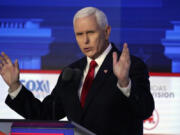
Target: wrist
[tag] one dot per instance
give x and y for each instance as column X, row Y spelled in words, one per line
column 123, row 83
column 14, row 86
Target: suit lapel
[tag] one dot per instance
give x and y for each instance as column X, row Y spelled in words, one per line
column 103, row 73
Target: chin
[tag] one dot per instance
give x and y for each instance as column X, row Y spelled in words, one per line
column 90, row 56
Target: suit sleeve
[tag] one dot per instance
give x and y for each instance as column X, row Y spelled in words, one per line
column 30, row 107
column 141, row 100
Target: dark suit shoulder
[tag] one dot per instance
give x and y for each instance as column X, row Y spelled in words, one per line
column 136, row 59
column 138, row 69
column 81, row 63
column 137, row 62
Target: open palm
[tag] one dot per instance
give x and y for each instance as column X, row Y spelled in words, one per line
column 9, row 71
column 121, row 66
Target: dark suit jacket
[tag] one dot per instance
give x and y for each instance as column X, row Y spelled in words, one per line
column 107, row 111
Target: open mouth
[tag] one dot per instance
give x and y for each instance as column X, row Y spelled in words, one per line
column 87, row 49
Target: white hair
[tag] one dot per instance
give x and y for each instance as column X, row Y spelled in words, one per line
column 88, row 11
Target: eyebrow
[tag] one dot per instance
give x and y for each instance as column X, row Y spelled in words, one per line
column 90, row 31
column 79, row 33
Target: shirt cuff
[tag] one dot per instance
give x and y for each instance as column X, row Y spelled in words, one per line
column 125, row 90
column 14, row 94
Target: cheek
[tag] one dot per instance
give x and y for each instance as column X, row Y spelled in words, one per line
column 79, row 42
column 97, row 41
column 100, row 43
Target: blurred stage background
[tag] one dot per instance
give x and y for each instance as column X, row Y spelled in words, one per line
column 40, row 35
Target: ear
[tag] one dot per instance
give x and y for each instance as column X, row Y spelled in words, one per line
column 107, row 32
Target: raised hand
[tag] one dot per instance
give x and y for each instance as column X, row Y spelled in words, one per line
column 9, row 71
column 121, row 66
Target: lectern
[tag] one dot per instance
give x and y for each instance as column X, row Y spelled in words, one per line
column 27, row 127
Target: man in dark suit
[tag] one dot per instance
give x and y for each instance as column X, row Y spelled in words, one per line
column 112, row 96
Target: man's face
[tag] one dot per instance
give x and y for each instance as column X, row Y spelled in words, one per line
column 91, row 38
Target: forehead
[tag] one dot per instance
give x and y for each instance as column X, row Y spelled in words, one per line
column 85, row 23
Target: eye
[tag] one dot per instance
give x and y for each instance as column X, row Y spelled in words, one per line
column 79, row 34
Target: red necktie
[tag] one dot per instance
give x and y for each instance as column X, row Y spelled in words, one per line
column 88, row 82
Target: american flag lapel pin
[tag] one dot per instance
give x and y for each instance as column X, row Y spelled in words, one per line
column 105, row 71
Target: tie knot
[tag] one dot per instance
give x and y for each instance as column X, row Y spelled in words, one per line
column 93, row 64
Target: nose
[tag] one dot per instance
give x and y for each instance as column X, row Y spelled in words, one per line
column 86, row 39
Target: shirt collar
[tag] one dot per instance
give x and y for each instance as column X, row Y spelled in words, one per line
column 99, row 60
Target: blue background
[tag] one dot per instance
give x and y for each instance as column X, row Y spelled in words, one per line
column 44, row 38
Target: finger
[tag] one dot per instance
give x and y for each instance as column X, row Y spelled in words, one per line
column 125, row 51
column 16, row 64
column 125, row 47
column 114, row 58
column 1, row 66
column 127, row 55
column 7, row 59
column 3, row 61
